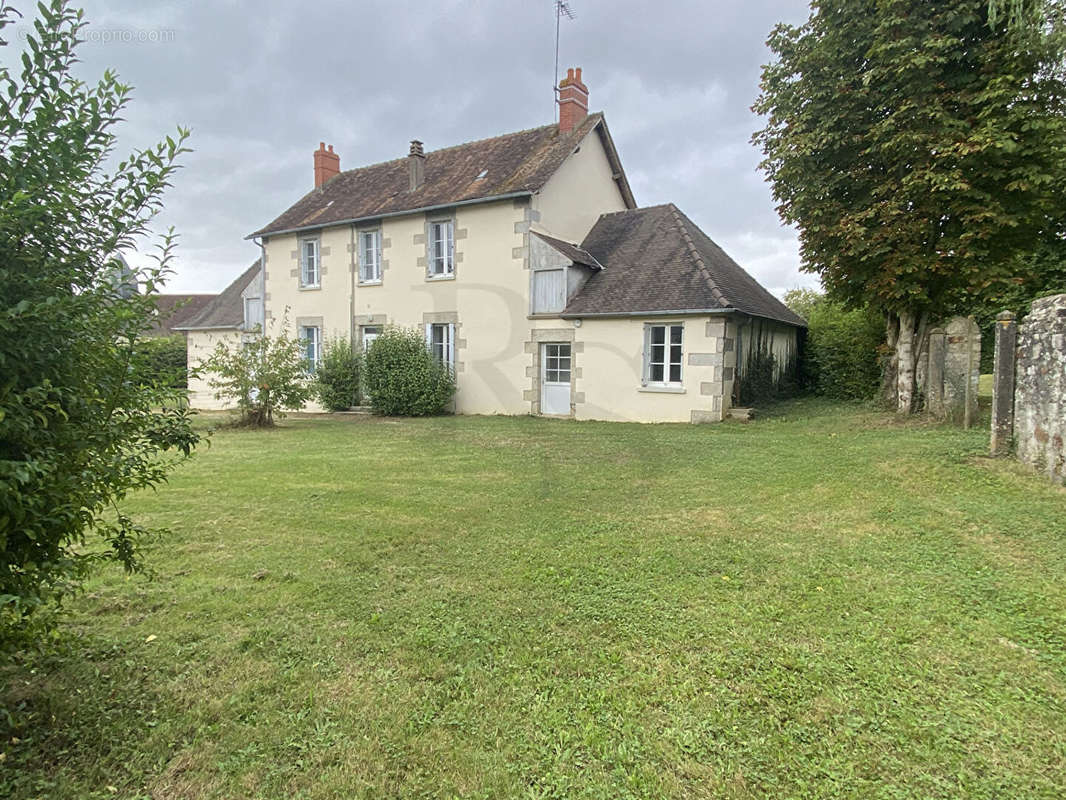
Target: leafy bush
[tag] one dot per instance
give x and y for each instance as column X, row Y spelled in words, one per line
column 758, row 385
column 163, row 359
column 337, row 377
column 843, row 352
column 403, row 378
column 77, row 434
column 264, row 376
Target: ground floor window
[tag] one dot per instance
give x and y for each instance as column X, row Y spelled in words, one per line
column 311, row 337
column 440, row 338
column 663, row 346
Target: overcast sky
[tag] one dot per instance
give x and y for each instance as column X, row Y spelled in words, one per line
column 261, row 83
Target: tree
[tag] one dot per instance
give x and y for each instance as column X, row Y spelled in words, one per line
column 81, row 424
column 842, row 356
column 263, row 376
column 403, row 378
column 918, row 148
column 338, row 375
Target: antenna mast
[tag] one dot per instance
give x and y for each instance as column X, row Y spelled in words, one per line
column 562, row 9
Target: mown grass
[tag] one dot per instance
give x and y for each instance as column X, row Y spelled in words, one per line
column 819, row 604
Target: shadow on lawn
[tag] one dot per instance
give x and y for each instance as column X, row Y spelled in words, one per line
column 85, row 707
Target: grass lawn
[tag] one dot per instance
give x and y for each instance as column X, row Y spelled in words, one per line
column 818, row 604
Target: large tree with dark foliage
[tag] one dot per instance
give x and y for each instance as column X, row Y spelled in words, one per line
column 918, row 148
column 81, row 424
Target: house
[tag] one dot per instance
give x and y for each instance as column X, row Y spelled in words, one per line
column 229, row 317
column 533, row 273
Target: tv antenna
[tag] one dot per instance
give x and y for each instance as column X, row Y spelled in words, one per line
column 562, row 9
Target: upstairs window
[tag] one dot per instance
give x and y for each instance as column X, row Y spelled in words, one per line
column 370, row 256
column 440, row 339
column 441, row 248
column 663, row 346
column 311, row 337
column 309, row 266
column 253, row 313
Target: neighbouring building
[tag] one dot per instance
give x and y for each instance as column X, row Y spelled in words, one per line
column 525, row 260
column 173, row 310
column 230, row 317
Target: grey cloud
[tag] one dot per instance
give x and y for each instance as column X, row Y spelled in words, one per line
column 261, row 83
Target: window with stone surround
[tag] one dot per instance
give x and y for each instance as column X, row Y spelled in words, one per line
column 311, row 338
column 370, row 256
column 309, row 263
column 441, row 245
column 663, row 353
column 440, row 339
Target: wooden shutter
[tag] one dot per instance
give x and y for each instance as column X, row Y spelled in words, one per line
column 549, row 291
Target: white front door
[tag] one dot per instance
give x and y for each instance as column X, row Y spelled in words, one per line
column 555, row 378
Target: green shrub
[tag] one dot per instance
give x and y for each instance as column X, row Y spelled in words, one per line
column 163, row 360
column 843, row 353
column 403, row 378
column 338, row 375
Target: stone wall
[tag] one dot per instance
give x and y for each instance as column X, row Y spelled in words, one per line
column 1040, row 387
column 952, row 357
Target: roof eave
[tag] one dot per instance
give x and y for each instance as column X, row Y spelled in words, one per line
column 388, row 214
column 235, row 327
column 651, row 313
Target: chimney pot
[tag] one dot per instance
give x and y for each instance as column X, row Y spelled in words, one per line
column 573, row 100
column 327, row 164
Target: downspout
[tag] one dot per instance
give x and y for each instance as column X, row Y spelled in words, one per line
column 262, row 282
column 351, row 293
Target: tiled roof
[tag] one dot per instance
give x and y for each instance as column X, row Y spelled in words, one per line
column 227, row 309
column 572, row 251
column 513, row 164
column 657, row 260
column 172, row 310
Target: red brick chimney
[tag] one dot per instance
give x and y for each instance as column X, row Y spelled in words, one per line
column 573, row 100
column 327, row 164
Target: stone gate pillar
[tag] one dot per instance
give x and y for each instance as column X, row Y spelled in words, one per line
column 1003, row 384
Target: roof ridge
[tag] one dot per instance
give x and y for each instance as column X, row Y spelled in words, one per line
column 679, row 219
column 401, row 159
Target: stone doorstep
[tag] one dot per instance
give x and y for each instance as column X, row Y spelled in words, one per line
column 742, row 414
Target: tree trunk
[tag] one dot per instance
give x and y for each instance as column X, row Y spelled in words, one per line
column 907, row 345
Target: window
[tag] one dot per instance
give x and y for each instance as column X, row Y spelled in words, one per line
column 557, row 363
column 549, row 291
column 370, row 333
column 309, row 267
column 370, row 257
column 662, row 354
column 440, row 338
column 441, row 248
column 312, row 342
column 253, row 313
